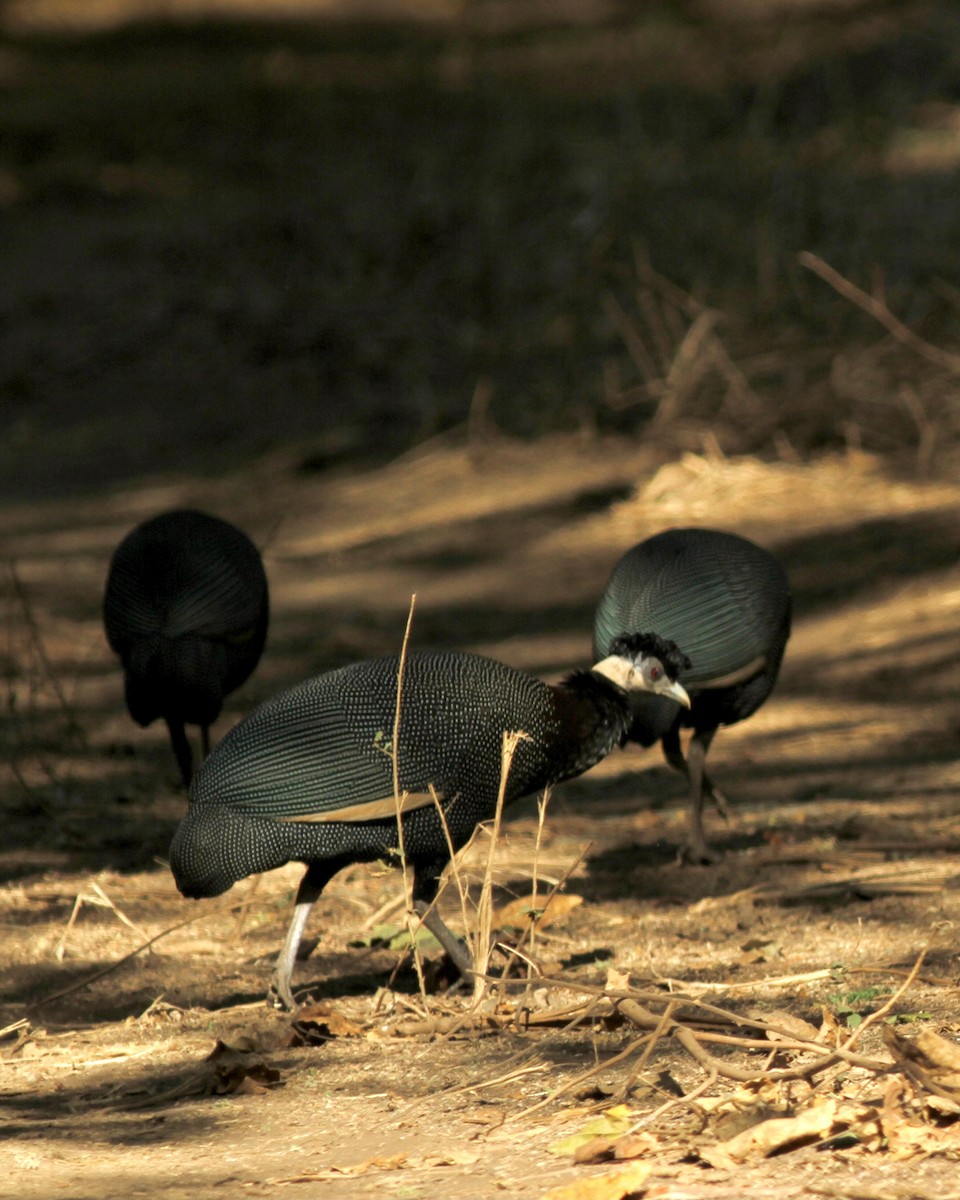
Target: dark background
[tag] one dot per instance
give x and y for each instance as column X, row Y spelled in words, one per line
column 351, row 232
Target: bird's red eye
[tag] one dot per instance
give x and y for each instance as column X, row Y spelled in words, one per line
column 655, row 673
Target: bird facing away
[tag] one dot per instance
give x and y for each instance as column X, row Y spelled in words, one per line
column 726, row 604
column 186, row 608
column 308, row 776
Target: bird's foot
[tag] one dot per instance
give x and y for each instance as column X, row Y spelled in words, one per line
column 280, row 995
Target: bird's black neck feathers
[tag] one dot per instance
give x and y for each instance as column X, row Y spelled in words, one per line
column 592, row 716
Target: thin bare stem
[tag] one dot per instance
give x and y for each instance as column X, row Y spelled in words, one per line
column 882, row 1011
column 36, row 637
column 97, row 975
column 398, row 798
column 877, row 309
column 511, row 740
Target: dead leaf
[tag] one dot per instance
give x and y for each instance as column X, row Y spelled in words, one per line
column 636, row 1145
column 759, row 950
column 630, row 1145
column 397, row 937
column 382, row 1162
column 387, row 1162
column 449, row 1158
column 615, row 1185
column 249, row 1086
column 831, row 1032
column 596, row 1150
column 789, row 1026
column 616, row 981
column 517, row 914
column 319, row 1023
column 612, row 1124
column 775, row 1134
column 928, row 1059
column 237, row 1070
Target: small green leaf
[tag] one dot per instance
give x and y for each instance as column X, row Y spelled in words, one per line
column 396, row 937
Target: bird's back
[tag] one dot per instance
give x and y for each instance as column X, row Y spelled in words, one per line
column 186, row 608
column 724, row 600
column 326, row 746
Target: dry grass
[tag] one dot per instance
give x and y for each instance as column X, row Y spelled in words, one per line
column 810, row 909
column 285, row 251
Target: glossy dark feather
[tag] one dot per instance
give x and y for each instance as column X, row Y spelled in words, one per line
column 308, row 776
column 726, row 603
column 186, row 609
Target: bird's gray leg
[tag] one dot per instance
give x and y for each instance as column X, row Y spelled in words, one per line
column 181, row 748
column 205, row 740
column 701, row 787
column 280, row 994
column 672, row 752
column 699, row 745
column 426, row 883
column 695, row 849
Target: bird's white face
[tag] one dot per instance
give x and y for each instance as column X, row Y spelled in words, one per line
column 644, row 673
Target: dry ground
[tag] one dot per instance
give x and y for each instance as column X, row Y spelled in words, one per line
column 843, row 851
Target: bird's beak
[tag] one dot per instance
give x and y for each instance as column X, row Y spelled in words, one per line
column 674, row 691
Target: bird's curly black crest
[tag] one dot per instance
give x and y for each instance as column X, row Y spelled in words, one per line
column 669, row 653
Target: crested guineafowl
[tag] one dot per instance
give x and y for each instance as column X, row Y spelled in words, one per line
column 726, row 604
column 309, row 775
column 186, row 609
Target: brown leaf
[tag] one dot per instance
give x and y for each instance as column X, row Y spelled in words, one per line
column 447, row 1158
column 831, row 1032
column 598, row 1149
column 636, row 1145
column 617, row 981
column 759, row 950
column 517, row 913
column 789, row 1027
column 776, row 1134
column 614, row 1185
column 928, row 1058
column 319, row 1023
column 230, row 1078
column 233, row 1066
column 249, row 1086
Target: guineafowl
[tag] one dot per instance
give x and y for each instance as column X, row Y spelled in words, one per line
column 726, row 604
column 308, row 776
column 186, row 608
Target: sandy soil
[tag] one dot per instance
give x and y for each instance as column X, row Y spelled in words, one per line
column 840, row 862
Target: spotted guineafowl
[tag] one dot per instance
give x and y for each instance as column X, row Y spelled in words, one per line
column 308, row 776
column 186, row 609
column 726, row 604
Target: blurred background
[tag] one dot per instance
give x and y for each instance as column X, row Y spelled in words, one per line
column 343, row 228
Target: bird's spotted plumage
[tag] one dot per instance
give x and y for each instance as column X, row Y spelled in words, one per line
column 309, row 775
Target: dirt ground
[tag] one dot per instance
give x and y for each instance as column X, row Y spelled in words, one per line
column 839, row 864
column 246, row 266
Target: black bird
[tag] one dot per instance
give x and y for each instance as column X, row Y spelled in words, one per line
column 726, row 604
column 308, row 776
column 186, row 608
